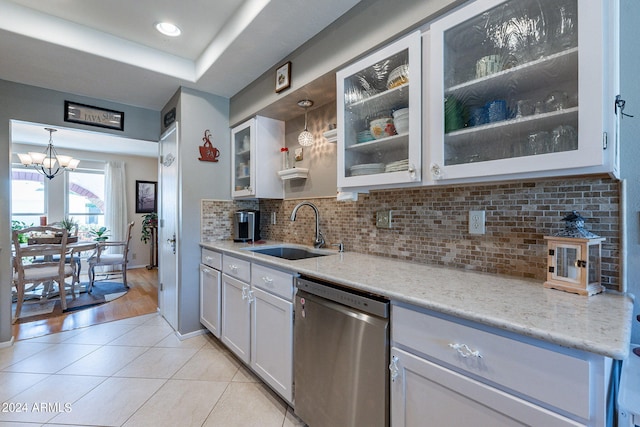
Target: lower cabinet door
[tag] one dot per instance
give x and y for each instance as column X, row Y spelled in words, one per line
column 272, row 341
column 210, row 299
column 424, row 392
column 236, row 317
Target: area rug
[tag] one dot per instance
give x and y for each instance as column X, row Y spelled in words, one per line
column 101, row 293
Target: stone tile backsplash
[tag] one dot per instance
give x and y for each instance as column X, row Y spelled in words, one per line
column 430, row 224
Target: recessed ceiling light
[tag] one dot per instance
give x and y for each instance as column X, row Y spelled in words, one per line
column 168, row 29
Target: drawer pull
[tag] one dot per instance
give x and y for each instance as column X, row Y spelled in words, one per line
column 208, row 258
column 233, row 268
column 393, row 367
column 464, row 350
column 268, row 280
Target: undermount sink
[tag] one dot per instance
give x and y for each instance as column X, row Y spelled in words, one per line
column 290, row 252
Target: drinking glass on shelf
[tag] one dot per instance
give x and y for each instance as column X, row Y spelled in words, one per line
column 539, row 142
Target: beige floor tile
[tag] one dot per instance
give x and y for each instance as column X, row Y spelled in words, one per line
column 48, row 398
column 12, row 383
column 247, row 405
column 100, row 334
column 209, row 365
column 57, row 337
column 144, row 336
column 154, row 319
column 105, row 361
column 111, row 403
column 55, row 358
column 179, row 403
column 245, row 375
column 19, row 351
column 157, row 362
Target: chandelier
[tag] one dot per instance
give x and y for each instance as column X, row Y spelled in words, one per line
column 49, row 163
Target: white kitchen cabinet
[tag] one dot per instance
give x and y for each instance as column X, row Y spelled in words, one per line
column 236, row 316
column 256, row 158
column 522, row 88
column 272, row 341
column 474, row 373
column 379, row 117
column 210, row 290
column 257, row 320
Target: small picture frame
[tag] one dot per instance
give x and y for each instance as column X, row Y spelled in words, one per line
column 146, row 196
column 283, row 77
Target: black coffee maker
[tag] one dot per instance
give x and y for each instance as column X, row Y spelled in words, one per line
column 246, row 225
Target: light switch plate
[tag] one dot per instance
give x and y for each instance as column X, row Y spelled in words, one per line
column 383, row 219
column 476, row 222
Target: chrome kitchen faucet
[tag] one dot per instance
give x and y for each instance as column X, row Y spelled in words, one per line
column 319, row 239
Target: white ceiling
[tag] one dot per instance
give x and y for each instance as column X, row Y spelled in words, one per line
column 110, row 49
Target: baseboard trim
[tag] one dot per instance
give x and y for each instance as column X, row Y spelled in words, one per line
column 183, row 337
column 6, row 343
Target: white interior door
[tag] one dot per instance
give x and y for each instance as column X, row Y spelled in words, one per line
column 168, row 226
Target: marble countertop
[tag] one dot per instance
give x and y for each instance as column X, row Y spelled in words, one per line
column 599, row 324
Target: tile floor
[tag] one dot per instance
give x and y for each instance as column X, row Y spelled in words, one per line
column 132, row 372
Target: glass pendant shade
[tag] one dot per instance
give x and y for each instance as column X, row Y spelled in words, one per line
column 305, row 138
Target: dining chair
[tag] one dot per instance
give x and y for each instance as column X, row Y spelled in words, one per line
column 102, row 257
column 71, row 258
column 28, row 275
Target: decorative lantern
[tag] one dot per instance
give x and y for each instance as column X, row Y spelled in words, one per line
column 574, row 258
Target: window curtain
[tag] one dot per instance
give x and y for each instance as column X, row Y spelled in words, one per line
column 115, row 195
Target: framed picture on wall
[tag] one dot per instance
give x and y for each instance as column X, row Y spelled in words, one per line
column 146, row 196
column 283, row 77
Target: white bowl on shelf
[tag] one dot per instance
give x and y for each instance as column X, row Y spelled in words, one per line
column 402, row 124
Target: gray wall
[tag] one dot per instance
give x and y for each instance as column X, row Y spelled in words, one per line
column 196, row 112
column 630, row 147
column 33, row 104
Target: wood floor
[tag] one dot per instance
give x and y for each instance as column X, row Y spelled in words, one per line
column 142, row 298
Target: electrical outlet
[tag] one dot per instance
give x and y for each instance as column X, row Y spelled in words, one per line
column 383, row 219
column 133, row 255
column 273, row 218
column 476, row 222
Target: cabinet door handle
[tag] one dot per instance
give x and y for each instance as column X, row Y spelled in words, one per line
column 464, row 351
column 436, row 171
column 393, row 367
column 245, row 294
column 412, row 172
column 251, row 298
column 206, row 271
column 268, row 280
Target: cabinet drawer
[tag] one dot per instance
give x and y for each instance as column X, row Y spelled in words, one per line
column 559, row 379
column 211, row 258
column 236, row 267
column 277, row 282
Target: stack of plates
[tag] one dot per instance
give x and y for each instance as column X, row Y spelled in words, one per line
column 364, row 136
column 400, row 165
column 367, row 169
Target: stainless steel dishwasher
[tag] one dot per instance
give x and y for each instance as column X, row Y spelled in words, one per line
column 341, row 356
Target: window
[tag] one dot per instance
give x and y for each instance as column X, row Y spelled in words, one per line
column 85, row 198
column 28, row 196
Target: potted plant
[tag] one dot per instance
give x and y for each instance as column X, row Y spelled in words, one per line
column 149, row 222
column 19, row 225
column 99, row 234
column 69, row 224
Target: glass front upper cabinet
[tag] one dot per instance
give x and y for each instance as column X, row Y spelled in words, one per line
column 379, row 117
column 522, row 88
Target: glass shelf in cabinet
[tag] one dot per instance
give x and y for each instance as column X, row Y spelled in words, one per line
column 390, row 142
column 525, row 77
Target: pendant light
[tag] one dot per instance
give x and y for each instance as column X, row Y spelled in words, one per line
column 45, row 162
column 305, row 138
